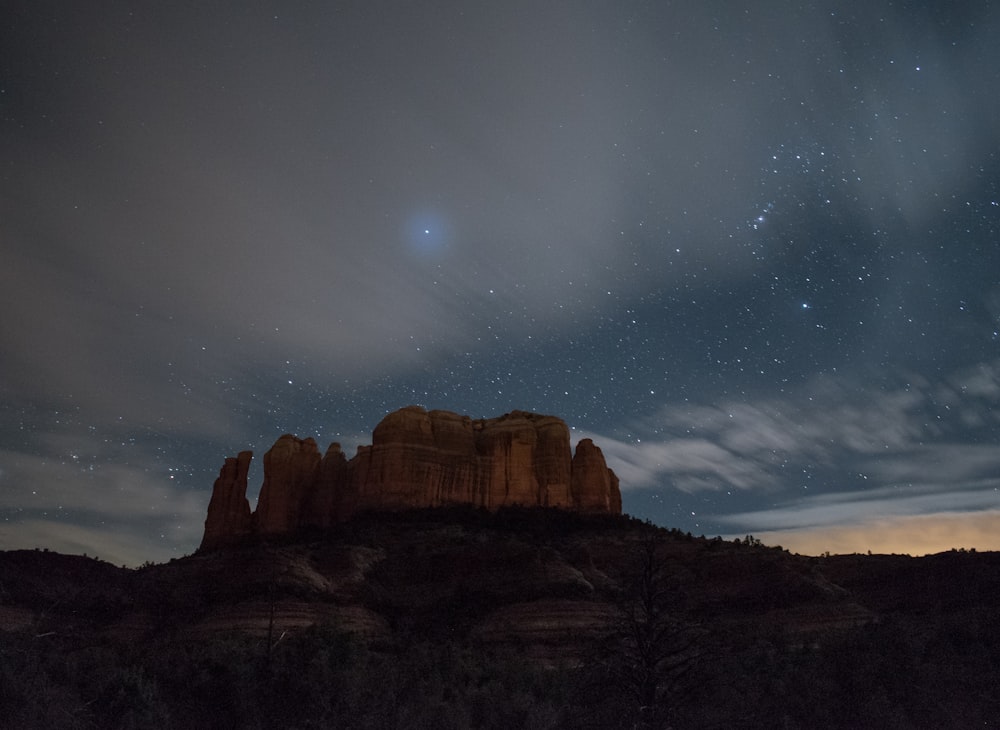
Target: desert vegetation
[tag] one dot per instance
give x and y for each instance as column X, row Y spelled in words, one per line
column 893, row 674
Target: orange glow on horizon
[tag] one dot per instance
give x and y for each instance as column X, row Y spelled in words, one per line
column 909, row 535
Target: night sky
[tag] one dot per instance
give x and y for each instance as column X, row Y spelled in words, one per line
column 751, row 249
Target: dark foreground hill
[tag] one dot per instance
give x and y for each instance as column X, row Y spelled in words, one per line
column 520, row 618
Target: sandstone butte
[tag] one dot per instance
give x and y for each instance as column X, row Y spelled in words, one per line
column 417, row 459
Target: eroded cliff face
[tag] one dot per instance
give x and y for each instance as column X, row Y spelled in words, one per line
column 291, row 468
column 229, row 519
column 417, row 459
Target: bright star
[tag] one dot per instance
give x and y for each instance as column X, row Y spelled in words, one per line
column 427, row 233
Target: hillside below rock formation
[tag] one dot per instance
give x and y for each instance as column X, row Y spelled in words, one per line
column 519, row 617
column 417, row 459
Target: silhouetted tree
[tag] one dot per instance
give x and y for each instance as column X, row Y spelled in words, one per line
column 657, row 645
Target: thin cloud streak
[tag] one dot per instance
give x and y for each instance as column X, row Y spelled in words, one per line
column 863, row 456
column 891, row 433
column 853, row 507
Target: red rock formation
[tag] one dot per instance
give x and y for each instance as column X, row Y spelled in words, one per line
column 229, row 518
column 455, row 444
column 595, row 486
column 507, row 445
column 417, row 459
column 404, row 466
column 328, row 498
column 553, row 466
column 291, row 467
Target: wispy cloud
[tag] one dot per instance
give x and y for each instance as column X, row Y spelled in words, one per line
column 866, row 456
column 892, row 435
column 125, row 512
column 854, row 507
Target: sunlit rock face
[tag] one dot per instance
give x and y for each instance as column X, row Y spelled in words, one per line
column 417, row 459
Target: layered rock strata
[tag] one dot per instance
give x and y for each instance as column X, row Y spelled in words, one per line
column 417, row 459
